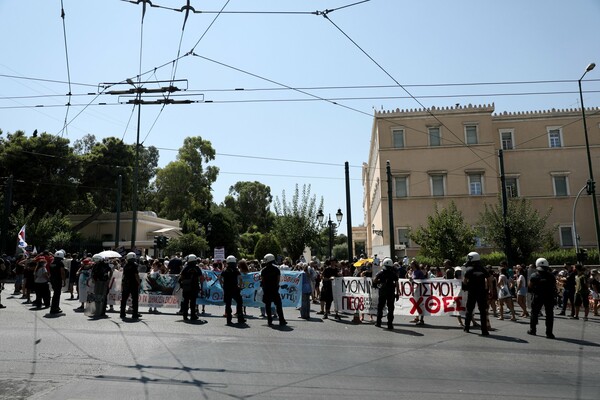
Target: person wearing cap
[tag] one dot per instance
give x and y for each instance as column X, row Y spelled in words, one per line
column 386, row 281
column 57, row 280
column 582, row 292
column 543, row 286
column 231, row 281
column 130, row 286
column 329, row 274
column 475, row 282
column 270, row 276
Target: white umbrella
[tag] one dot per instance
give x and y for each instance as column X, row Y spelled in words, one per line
column 109, row 254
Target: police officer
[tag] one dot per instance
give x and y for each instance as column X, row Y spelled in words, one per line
column 475, row 280
column 101, row 273
column 543, row 286
column 189, row 281
column 269, row 281
column 389, row 290
column 130, row 285
column 231, row 280
column 57, row 280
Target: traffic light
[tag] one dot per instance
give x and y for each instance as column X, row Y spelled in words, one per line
column 165, row 241
column 590, row 186
column 156, row 241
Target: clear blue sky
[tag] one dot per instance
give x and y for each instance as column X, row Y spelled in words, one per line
column 417, row 43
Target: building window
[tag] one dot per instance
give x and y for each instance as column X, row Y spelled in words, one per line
column 512, row 187
column 475, row 184
column 561, row 187
column 398, row 138
column 506, row 139
column 403, row 236
column 401, row 186
column 566, row 236
column 555, row 137
column 437, row 185
column 435, row 137
column 471, row 134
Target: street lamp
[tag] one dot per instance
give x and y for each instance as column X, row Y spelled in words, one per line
column 331, row 225
column 591, row 184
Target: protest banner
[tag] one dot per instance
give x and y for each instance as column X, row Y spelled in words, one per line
column 158, row 290
column 435, row 297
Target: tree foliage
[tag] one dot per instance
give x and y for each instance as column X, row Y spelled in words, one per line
column 296, row 225
column 188, row 243
column 527, row 227
column 251, row 202
column 267, row 244
column 184, row 185
column 446, row 235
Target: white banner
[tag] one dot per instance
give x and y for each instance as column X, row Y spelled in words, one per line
column 434, row 297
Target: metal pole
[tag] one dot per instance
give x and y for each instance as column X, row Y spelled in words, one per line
column 330, row 222
column 118, row 223
column 575, row 239
column 348, row 212
column 134, row 201
column 507, row 240
column 388, row 170
column 592, row 189
column 6, row 214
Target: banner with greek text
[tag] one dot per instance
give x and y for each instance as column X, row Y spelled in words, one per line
column 158, row 290
column 434, row 297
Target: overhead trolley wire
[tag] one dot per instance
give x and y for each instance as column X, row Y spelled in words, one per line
column 64, row 25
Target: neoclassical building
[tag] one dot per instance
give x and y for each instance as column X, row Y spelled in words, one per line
column 439, row 155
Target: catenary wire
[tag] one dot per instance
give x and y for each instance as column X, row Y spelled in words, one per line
column 64, row 25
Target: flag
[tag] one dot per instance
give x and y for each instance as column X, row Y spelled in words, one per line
column 21, row 238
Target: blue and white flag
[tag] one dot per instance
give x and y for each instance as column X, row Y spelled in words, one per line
column 21, row 238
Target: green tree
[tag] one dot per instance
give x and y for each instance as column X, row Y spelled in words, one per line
column 267, row 244
column 251, row 202
column 446, row 235
column 224, row 231
column 188, row 243
column 184, row 185
column 527, row 227
column 296, row 225
column 44, row 168
column 248, row 243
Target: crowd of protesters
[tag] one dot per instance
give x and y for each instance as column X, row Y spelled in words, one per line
column 577, row 289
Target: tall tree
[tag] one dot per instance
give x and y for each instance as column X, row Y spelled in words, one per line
column 184, row 185
column 44, row 168
column 251, row 202
column 528, row 229
column 446, row 236
column 296, row 225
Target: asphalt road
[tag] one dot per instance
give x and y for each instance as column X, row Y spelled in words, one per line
column 162, row 357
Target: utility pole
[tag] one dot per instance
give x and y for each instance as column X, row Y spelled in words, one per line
column 507, row 240
column 138, row 90
column 388, row 170
column 5, row 215
column 348, row 212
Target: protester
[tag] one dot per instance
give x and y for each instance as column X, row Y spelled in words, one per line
column 568, row 284
column 101, row 274
column 57, row 280
column 418, row 274
column 307, row 289
column 581, row 292
column 504, row 293
column 3, row 276
column 522, row 291
column 42, row 290
column 84, row 274
column 595, row 290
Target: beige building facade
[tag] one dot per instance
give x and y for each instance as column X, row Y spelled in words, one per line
column 439, row 155
column 103, row 227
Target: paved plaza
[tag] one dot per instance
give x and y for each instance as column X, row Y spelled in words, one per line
column 162, row 357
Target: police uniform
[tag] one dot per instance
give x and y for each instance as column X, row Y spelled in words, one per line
column 189, row 280
column 475, row 283
column 230, row 278
column 387, row 282
column 543, row 286
column 130, row 285
column 270, row 277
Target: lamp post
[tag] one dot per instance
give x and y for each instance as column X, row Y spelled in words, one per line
column 591, row 184
column 331, row 225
